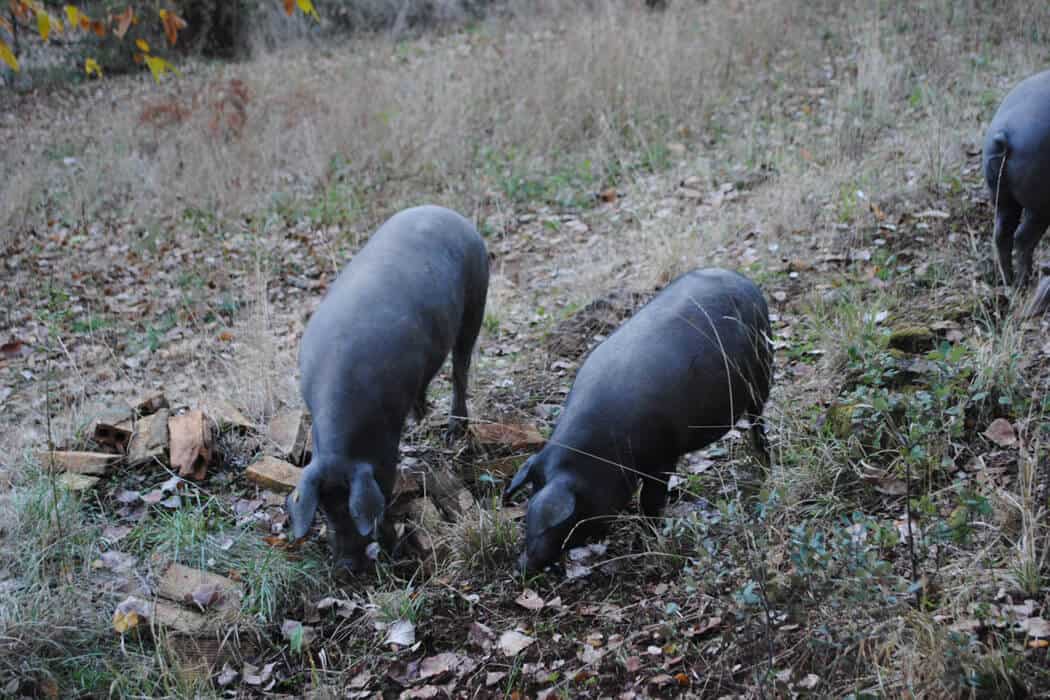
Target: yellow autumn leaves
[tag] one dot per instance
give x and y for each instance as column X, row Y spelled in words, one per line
column 25, row 11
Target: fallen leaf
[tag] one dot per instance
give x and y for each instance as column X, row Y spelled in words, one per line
column 361, row 680
column 402, row 633
column 589, row 654
column 126, row 496
column 171, row 484
column 243, row 506
column 129, row 614
column 513, row 642
column 344, row 608
column 699, row 466
column 480, row 636
column 530, row 600
column 809, row 682
column 115, row 533
column 13, row 349
column 1036, row 627
column 118, row 561
column 1001, row 432
column 892, row 487
column 172, row 502
column 575, row 571
column 587, row 551
column 205, row 596
column 494, row 677
column 633, row 664
column 1020, row 611
column 438, row 665
column 153, row 497
column 226, row 676
column 253, row 675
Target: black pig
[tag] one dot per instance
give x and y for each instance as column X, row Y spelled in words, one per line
column 672, row 379
column 413, row 293
column 1017, row 169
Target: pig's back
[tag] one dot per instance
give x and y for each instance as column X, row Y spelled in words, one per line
column 677, row 374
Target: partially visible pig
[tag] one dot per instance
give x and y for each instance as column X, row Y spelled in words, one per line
column 1017, row 169
column 413, row 293
column 672, row 379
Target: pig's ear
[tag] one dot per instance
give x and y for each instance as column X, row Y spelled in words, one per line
column 527, row 474
column 367, row 502
column 301, row 503
column 553, row 505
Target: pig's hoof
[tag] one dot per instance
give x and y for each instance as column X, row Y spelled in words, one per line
column 456, row 430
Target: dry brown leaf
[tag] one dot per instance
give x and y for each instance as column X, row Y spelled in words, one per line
column 530, row 600
column 1002, row 433
column 513, row 642
column 481, row 636
column 13, row 349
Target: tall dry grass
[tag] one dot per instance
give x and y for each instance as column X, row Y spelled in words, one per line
column 574, row 83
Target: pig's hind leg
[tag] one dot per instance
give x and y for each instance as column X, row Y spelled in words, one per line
column 759, row 439
column 1032, row 228
column 654, row 493
column 461, row 352
column 419, row 406
column 1007, row 217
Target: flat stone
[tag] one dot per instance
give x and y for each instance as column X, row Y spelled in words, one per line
column 150, row 439
column 227, row 416
column 95, row 463
column 179, row 583
column 78, row 482
column 288, row 431
column 273, row 473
